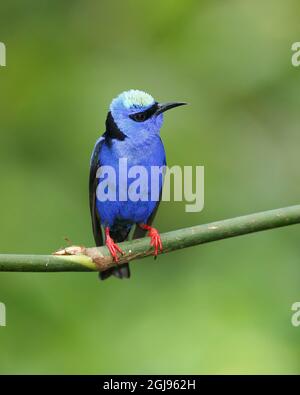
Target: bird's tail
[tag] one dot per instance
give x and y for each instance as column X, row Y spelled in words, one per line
column 121, row 271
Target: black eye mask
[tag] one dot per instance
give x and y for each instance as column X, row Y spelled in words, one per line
column 144, row 115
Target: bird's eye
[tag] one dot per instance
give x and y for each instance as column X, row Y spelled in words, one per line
column 139, row 117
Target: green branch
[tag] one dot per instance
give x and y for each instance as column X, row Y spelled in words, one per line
column 98, row 258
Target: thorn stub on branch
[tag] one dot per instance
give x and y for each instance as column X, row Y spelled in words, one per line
column 72, row 250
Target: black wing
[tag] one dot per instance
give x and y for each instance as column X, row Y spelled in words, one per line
column 122, row 271
column 94, row 166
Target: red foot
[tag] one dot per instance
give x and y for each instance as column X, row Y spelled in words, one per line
column 112, row 246
column 155, row 238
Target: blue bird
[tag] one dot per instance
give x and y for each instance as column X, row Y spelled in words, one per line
column 131, row 138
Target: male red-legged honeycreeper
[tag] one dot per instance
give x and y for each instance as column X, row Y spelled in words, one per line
column 133, row 126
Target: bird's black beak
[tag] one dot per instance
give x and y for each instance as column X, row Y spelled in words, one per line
column 167, row 106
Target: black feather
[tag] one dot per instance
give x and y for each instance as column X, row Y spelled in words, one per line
column 95, row 164
column 112, row 130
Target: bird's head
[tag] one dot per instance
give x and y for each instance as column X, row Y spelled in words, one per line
column 135, row 112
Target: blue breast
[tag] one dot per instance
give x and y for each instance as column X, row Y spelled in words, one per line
column 147, row 153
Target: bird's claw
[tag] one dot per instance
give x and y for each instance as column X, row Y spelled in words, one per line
column 155, row 242
column 113, row 248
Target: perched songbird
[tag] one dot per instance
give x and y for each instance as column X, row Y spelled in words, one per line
column 131, row 138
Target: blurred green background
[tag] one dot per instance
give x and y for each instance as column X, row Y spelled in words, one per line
column 223, row 307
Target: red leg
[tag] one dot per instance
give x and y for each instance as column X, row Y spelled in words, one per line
column 112, row 246
column 155, row 238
